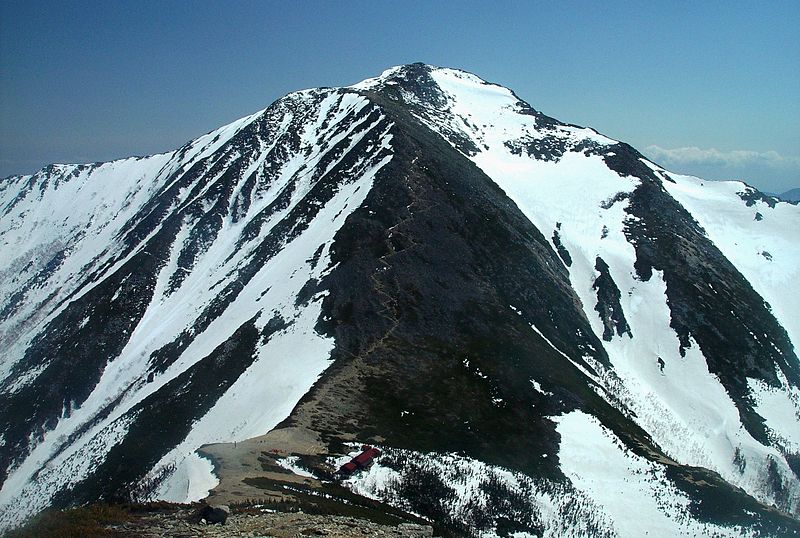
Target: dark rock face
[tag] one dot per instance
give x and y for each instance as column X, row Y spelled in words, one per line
column 608, row 305
column 563, row 253
column 751, row 196
column 433, row 262
column 550, row 148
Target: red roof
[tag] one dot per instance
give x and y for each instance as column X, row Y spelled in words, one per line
column 348, row 467
column 365, row 457
column 362, row 460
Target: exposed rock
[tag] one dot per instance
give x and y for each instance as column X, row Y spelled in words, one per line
column 608, row 304
column 214, row 514
column 262, row 522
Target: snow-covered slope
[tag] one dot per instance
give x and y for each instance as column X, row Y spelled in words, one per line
column 498, row 292
column 757, row 233
column 566, row 181
column 236, row 224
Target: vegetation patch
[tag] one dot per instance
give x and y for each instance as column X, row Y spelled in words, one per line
column 84, row 522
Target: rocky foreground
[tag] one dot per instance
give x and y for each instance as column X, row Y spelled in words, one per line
column 184, row 521
column 256, row 523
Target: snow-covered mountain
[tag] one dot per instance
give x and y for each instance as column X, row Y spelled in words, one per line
column 549, row 332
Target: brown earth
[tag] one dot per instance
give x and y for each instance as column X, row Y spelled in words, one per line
column 234, row 463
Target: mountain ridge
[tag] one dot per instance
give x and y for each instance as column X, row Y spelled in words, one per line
column 460, row 284
column 792, row 195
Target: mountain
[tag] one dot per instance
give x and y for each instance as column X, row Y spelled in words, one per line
column 792, row 195
column 544, row 332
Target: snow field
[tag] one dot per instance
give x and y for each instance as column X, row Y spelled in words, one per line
column 781, row 409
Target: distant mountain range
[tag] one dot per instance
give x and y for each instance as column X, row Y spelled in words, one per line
column 792, row 195
column 544, row 332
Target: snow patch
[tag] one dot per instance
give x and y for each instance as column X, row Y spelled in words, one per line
column 780, row 408
column 191, row 481
column 292, row 463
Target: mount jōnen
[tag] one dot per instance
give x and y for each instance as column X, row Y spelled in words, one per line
column 544, row 332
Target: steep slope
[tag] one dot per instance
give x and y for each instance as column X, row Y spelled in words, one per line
column 689, row 412
column 178, row 322
column 545, row 332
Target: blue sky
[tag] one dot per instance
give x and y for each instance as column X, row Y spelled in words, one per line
column 711, row 88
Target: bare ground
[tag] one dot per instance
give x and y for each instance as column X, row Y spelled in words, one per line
column 255, row 458
column 262, row 522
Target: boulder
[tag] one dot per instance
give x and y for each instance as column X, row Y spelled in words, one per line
column 213, row 514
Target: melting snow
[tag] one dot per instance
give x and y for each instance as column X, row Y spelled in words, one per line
column 634, row 492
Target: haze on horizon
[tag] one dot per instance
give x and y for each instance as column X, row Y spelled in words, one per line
column 699, row 89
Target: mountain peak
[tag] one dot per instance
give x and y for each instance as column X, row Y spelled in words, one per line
column 393, row 73
column 424, row 264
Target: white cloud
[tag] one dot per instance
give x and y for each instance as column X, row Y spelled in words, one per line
column 714, row 157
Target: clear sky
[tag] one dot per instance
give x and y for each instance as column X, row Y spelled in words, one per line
column 711, row 88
